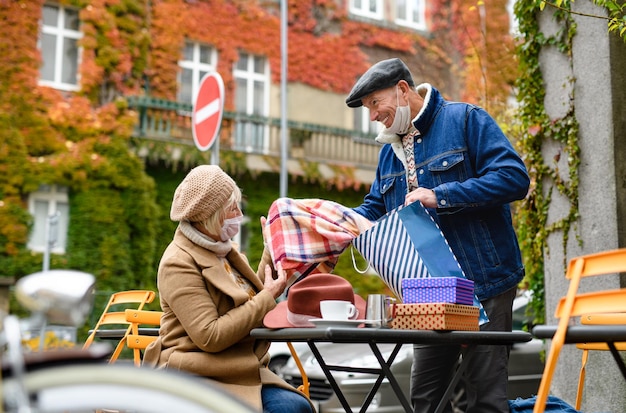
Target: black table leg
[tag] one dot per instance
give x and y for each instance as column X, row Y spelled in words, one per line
column 382, row 372
column 386, row 372
column 329, row 376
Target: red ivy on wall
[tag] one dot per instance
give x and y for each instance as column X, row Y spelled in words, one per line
column 480, row 46
column 128, row 45
column 325, row 49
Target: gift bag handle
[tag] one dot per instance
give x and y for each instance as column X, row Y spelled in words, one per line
column 354, row 262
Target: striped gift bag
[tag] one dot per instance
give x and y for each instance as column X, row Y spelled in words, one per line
column 407, row 243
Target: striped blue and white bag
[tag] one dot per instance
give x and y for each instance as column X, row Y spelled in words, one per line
column 407, row 243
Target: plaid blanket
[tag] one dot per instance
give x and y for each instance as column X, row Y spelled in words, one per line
column 308, row 235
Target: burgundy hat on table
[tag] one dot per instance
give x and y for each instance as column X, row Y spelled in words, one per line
column 303, row 301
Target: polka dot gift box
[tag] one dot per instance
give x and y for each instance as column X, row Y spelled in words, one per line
column 438, row 290
column 436, row 316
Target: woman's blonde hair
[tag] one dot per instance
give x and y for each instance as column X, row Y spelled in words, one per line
column 213, row 224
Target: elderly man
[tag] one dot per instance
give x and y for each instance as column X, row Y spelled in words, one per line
column 455, row 159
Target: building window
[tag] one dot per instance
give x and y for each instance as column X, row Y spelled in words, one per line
column 367, row 8
column 58, row 43
column 49, row 207
column 411, row 13
column 363, row 124
column 252, row 98
column 198, row 60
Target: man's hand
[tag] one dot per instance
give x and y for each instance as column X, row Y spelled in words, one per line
column 426, row 196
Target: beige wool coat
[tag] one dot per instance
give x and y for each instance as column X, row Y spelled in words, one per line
column 207, row 319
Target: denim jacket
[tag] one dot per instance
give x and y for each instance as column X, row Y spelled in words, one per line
column 463, row 155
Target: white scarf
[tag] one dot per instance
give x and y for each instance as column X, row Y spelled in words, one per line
column 220, row 248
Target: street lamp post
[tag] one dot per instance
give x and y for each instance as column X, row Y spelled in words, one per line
column 283, row 98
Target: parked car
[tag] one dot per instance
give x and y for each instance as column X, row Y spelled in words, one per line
column 525, row 370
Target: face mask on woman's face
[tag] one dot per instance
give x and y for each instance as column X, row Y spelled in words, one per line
column 402, row 119
column 230, row 228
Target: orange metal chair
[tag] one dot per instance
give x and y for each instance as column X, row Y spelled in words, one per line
column 136, row 341
column 304, row 387
column 113, row 317
column 576, row 304
column 607, row 318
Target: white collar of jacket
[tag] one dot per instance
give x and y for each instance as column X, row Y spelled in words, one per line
column 383, row 137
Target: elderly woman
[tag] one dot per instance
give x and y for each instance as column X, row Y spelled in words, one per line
column 212, row 298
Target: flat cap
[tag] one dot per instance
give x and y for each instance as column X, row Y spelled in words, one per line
column 382, row 75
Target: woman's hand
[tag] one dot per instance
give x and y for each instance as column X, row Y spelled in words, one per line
column 277, row 285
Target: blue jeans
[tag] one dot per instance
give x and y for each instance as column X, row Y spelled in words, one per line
column 553, row 405
column 278, row 400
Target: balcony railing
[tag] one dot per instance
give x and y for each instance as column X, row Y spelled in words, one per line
column 170, row 121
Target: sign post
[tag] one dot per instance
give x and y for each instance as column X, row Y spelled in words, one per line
column 207, row 112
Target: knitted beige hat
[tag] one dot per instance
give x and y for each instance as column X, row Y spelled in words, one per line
column 202, row 193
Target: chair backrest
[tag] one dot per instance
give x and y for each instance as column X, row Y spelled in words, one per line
column 600, row 318
column 136, row 341
column 142, row 317
column 112, row 316
column 576, row 304
column 606, row 301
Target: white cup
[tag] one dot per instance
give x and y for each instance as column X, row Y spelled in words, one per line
column 337, row 310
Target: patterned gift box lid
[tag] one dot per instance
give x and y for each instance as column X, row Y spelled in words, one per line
column 435, row 282
column 435, row 308
column 438, row 295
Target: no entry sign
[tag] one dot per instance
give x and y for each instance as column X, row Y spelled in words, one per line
column 207, row 111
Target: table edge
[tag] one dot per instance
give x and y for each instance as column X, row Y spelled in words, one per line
column 364, row 335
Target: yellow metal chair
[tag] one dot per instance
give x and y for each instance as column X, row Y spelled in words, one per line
column 576, row 304
column 136, row 341
column 590, row 319
column 113, row 317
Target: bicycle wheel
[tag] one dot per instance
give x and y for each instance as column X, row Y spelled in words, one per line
column 85, row 388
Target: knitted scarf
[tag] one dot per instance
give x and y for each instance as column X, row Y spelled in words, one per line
column 220, row 248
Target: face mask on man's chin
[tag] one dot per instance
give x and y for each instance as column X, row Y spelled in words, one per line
column 402, row 120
